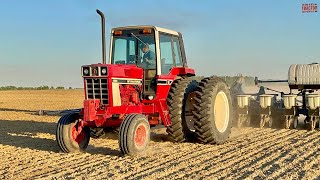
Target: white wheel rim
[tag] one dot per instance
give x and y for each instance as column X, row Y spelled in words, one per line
column 221, row 112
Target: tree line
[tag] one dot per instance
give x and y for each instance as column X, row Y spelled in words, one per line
column 31, row 88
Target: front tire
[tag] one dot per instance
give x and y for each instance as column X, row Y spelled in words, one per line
column 70, row 136
column 134, row 134
column 213, row 111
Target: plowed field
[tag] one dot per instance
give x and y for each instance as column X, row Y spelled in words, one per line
column 28, row 149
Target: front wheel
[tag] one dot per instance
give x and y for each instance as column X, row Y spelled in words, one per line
column 134, row 134
column 70, row 135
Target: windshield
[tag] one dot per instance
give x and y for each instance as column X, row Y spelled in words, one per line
column 132, row 47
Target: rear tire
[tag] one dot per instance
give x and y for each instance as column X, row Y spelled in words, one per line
column 70, row 136
column 213, row 111
column 180, row 104
column 134, row 134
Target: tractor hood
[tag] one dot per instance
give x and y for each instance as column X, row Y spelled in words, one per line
column 112, row 70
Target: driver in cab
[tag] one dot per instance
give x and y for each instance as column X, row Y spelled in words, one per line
column 149, row 57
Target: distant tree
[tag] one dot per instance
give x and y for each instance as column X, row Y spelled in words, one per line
column 70, row 87
column 3, row 88
column 42, row 88
column 8, row 88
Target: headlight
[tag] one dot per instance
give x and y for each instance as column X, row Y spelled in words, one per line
column 86, row 71
column 103, row 71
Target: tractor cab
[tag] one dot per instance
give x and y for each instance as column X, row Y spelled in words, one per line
column 155, row 50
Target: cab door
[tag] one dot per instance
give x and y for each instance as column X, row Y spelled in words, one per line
column 170, row 53
column 149, row 72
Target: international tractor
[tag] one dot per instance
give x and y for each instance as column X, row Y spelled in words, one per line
column 146, row 83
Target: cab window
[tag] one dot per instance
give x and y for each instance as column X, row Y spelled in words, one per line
column 170, row 53
column 134, row 47
column 177, row 52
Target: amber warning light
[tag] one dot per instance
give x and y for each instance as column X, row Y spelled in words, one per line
column 308, row 8
column 117, row 33
column 147, row 31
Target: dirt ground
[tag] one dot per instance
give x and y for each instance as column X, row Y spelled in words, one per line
column 28, row 149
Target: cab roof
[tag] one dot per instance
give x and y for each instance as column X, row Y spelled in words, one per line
column 147, row 26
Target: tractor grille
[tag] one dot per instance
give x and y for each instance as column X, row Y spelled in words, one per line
column 97, row 89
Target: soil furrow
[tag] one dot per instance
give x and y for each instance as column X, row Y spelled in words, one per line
column 201, row 155
column 228, row 160
column 271, row 156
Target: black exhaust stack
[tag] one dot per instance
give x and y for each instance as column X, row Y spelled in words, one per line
column 103, row 36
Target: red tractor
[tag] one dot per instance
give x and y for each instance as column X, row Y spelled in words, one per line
column 146, row 83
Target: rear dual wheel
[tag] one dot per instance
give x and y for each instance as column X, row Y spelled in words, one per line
column 180, row 102
column 213, row 111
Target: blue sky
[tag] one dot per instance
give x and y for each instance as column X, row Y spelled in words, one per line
column 46, row 42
